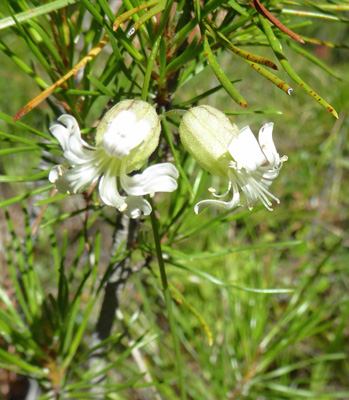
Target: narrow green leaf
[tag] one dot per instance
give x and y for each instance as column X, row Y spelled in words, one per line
column 246, row 55
column 19, row 139
column 149, row 68
column 228, row 112
column 10, row 309
column 311, row 14
column 162, row 61
column 277, row 48
column 24, row 67
column 32, row 45
column 326, row 43
column 139, row 343
column 313, row 59
column 335, row 7
column 195, row 312
column 112, row 339
column 188, row 54
column 196, row 99
column 62, row 217
column 220, row 218
column 21, row 197
column 121, row 62
column 177, row 255
column 57, row 197
column 226, row 83
column 289, row 368
column 24, row 367
column 106, row 8
column 234, row 5
column 48, row 43
column 35, row 293
column 219, row 282
column 78, row 92
column 146, row 16
column 192, row 70
column 13, row 272
column 22, row 126
column 37, row 177
column 175, row 155
column 271, row 77
column 101, row 87
column 13, row 150
column 35, row 12
column 79, row 334
column 93, row 11
column 132, row 12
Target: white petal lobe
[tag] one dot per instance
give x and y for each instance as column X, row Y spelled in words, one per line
column 136, row 206
column 69, row 137
column 157, row 178
column 108, row 191
column 124, row 133
column 266, row 142
column 246, row 151
column 226, row 205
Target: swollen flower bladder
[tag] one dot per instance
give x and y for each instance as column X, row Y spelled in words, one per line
column 222, row 149
column 126, row 137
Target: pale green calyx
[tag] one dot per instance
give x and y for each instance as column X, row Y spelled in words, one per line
column 206, row 133
column 129, row 131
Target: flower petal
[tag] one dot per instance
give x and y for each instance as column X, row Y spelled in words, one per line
column 157, row 178
column 108, row 192
column 266, row 142
column 70, row 139
column 246, row 151
column 81, row 177
column 226, row 205
column 124, row 133
column 136, row 206
column 130, row 205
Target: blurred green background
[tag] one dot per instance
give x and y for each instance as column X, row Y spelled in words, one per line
column 265, row 346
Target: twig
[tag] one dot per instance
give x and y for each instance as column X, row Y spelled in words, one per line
column 127, row 229
column 263, row 11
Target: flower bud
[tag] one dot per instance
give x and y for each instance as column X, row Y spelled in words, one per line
column 129, row 131
column 206, row 133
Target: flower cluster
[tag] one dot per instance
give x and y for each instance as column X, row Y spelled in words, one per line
column 129, row 133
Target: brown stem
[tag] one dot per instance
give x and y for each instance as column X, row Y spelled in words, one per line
column 263, row 11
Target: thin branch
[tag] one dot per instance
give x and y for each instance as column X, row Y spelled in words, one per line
column 263, row 11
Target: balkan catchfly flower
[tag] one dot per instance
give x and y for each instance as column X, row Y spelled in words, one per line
column 224, row 150
column 127, row 135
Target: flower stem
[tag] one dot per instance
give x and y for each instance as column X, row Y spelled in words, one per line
column 167, row 296
column 172, row 112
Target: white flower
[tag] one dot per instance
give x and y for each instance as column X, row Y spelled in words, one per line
column 220, row 148
column 123, row 144
column 253, row 168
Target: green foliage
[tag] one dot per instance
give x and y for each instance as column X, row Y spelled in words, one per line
column 243, row 304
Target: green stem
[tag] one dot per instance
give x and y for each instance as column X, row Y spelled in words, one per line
column 172, row 112
column 149, row 69
column 167, row 296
